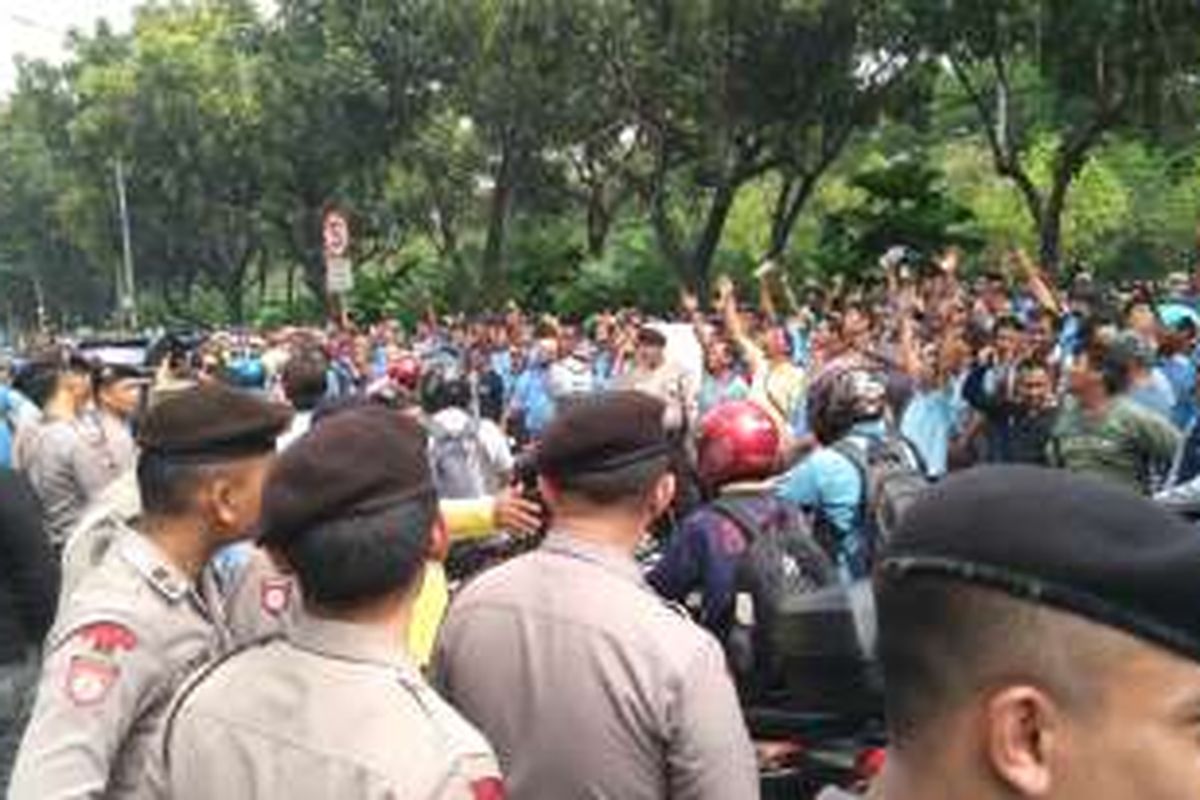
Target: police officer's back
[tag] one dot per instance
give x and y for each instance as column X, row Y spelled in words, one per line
column 587, row 683
column 338, row 709
column 141, row 620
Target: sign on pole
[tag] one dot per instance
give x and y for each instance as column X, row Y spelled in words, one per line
column 335, row 234
column 339, row 277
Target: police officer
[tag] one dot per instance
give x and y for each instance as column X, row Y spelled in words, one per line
column 588, row 684
column 1039, row 639
column 142, row 619
column 337, row 708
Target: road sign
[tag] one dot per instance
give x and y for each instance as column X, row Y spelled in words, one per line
column 335, row 233
column 339, row 277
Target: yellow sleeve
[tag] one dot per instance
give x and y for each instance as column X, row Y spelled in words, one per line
column 427, row 613
column 469, row 519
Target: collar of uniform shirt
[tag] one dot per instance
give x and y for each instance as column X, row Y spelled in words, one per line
column 610, row 558
column 350, row 642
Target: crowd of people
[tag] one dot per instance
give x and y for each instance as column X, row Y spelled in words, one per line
column 622, row 557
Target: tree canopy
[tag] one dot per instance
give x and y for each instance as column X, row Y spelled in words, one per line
column 581, row 153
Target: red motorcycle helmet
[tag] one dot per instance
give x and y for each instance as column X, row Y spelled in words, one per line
column 405, row 370
column 739, row 441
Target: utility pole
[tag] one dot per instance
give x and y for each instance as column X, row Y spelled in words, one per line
column 126, row 289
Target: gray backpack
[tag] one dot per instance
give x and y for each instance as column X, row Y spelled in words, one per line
column 457, row 461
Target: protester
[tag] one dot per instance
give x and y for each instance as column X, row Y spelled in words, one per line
column 338, row 708
column 1017, row 429
column 652, row 374
column 28, row 592
column 847, row 412
column 1037, row 641
column 16, row 413
column 304, row 385
column 651, row 711
column 532, row 405
column 144, row 618
column 468, row 452
column 720, row 548
column 1101, row 430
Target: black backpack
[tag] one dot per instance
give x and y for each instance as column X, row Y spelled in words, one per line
column 893, row 477
column 781, row 563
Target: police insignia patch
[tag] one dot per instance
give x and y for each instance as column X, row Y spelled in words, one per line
column 275, row 595
column 108, row 637
column 487, row 789
column 89, row 679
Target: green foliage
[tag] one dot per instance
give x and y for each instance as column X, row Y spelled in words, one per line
column 904, row 203
column 574, row 155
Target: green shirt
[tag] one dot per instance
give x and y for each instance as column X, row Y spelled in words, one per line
column 1127, row 444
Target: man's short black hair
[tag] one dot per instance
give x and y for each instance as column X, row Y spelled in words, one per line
column 348, row 561
column 167, row 486
column 304, row 380
column 1009, row 322
column 39, row 379
column 943, row 642
column 628, row 484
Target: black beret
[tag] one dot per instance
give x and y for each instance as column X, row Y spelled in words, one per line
column 1087, row 547
column 603, row 432
column 107, row 374
column 212, row 422
column 359, row 462
column 651, row 337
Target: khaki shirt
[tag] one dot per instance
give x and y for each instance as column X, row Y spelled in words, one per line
column 671, row 384
column 131, row 632
column 113, row 512
column 591, row 686
column 333, row 711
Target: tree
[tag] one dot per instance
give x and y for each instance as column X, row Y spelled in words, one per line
column 1074, row 70
column 728, row 91
column 345, row 84
column 904, row 203
column 45, row 274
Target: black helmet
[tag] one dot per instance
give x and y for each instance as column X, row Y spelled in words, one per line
column 445, row 385
column 844, row 396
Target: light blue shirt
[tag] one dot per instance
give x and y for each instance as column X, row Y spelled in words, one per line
column 931, row 419
column 14, row 407
column 714, row 391
column 831, row 484
column 1156, row 395
column 531, row 396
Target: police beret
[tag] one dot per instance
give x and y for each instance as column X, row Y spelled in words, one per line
column 212, row 421
column 359, row 462
column 603, row 432
column 1072, row 542
column 108, row 374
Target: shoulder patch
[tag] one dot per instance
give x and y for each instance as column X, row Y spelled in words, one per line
column 487, row 789
column 89, row 679
column 275, row 595
column 107, row 637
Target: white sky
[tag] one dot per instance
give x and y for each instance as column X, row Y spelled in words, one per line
column 38, row 28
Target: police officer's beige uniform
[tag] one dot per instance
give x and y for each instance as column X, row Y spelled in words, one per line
column 336, row 708
column 591, row 686
column 333, row 711
column 117, row 507
column 131, row 632
column 134, row 626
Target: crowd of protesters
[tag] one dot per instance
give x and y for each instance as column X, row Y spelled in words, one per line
column 735, row 417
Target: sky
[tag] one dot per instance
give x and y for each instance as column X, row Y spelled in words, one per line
column 38, row 28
